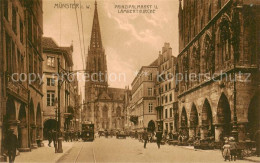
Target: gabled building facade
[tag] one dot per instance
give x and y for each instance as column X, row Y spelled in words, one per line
column 51, row 53
column 166, row 95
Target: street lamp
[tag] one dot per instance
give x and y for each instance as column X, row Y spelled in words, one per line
column 56, row 118
column 60, row 82
column 236, row 30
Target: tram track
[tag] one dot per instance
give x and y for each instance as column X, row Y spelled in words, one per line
column 76, row 159
column 81, row 153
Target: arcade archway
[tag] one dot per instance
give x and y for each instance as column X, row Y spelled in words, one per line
column 224, row 115
column 207, row 120
column 22, row 128
column 194, row 120
column 10, row 110
column 253, row 116
column 184, row 123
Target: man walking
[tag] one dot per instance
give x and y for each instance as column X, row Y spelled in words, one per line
column 54, row 139
column 11, row 144
column 158, row 138
column 49, row 137
column 145, row 137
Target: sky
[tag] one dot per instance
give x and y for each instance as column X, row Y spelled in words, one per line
column 130, row 40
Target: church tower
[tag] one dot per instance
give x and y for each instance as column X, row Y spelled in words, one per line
column 96, row 67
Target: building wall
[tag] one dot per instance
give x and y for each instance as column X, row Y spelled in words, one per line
column 222, row 41
column 21, row 103
column 141, row 98
column 50, row 72
column 165, row 88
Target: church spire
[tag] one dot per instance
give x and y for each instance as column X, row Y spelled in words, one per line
column 95, row 41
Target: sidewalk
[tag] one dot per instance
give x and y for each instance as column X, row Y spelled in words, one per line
column 253, row 159
column 44, row 154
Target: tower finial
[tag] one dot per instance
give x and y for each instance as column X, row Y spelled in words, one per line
column 95, row 3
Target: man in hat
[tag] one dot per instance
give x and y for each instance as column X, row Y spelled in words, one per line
column 158, row 138
column 49, row 137
column 145, row 137
column 11, row 144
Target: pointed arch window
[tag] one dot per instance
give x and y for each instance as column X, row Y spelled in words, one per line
column 225, row 41
column 209, row 55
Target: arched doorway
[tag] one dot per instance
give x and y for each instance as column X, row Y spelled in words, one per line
column 184, row 123
column 194, row 121
column 253, row 116
column 207, row 120
column 224, row 115
column 39, row 122
column 151, row 126
column 22, row 129
column 50, row 124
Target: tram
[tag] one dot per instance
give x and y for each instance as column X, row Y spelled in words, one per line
column 87, row 133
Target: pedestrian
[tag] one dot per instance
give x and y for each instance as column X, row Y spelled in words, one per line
column 54, row 139
column 66, row 136
column 11, row 144
column 226, row 151
column 79, row 136
column 233, row 149
column 145, row 137
column 257, row 139
column 49, row 137
column 158, row 138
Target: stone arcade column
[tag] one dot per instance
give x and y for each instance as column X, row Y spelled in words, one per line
column 33, row 136
column 218, row 131
column 203, row 132
column 39, row 136
column 191, row 132
column 24, row 138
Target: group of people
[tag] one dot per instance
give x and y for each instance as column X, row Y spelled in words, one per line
column 158, row 135
column 230, row 149
column 72, row 136
column 52, row 137
column 68, row 135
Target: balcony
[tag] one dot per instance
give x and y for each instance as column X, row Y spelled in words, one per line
column 17, row 89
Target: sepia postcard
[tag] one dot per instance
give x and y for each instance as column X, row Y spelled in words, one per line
column 129, row 81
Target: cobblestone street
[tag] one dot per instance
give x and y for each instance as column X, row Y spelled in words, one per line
column 131, row 150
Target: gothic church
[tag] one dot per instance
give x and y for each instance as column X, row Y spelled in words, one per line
column 104, row 105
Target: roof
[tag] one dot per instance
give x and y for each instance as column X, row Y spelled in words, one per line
column 154, row 63
column 48, row 42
